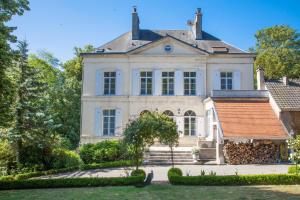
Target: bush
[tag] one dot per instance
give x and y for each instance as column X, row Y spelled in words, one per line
column 70, row 182
column 138, row 172
column 268, row 179
column 174, row 172
column 7, row 158
column 105, row 151
column 292, row 169
column 63, row 158
column 120, row 163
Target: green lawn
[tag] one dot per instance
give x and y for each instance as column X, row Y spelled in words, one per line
column 159, row 192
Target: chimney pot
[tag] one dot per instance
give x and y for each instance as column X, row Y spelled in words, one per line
column 285, row 80
column 260, row 78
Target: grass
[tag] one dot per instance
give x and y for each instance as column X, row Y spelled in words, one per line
column 157, row 192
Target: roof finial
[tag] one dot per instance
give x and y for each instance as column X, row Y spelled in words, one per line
column 134, row 9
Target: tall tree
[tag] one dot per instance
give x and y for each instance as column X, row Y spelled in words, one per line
column 8, row 8
column 69, row 102
column 34, row 127
column 278, row 51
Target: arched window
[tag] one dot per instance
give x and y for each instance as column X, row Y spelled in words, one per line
column 144, row 112
column 169, row 113
column 189, row 123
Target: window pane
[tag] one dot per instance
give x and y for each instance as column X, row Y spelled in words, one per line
column 193, row 74
column 223, row 74
column 229, row 74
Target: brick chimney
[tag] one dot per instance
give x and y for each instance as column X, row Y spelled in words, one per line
column 285, row 80
column 260, row 78
column 135, row 24
column 197, row 25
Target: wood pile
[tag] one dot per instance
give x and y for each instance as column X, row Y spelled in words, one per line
column 250, row 153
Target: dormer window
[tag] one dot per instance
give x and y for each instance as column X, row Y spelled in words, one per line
column 219, row 50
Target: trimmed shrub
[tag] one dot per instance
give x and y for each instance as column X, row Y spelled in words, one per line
column 70, row 182
column 64, row 158
column 138, row 172
column 292, row 169
column 174, row 172
column 120, row 163
column 105, row 151
column 268, row 179
column 37, row 174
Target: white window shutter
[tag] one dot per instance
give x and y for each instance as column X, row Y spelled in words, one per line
column 236, row 80
column 118, row 124
column 178, row 82
column 98, row 121
column 180, row 125
column 200, row 126
column 135, row 85
column 216, row 80
column 200, row 86
column 157, row 82
column 119, row 82
column 99, row 82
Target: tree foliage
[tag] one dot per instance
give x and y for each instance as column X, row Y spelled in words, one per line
column 8, row 8
column 294, row 145
column 141, row 132
column 278, row 51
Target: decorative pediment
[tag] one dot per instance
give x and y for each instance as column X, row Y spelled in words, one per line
column 168, row 46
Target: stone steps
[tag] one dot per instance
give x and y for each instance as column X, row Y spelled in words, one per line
column 163, row 157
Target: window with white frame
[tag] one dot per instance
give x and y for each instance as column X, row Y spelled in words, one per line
column 226, row 80
column 189, row 83
column 109, row 120
column 167, row 83
column 109, row 83
column 146, row 83
column 189, row 123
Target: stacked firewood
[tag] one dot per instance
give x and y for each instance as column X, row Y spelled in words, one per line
column 250, row 153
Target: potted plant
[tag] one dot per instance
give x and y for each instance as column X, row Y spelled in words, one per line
column 196, row 153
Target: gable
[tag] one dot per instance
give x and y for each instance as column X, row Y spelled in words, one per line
column 168, row 46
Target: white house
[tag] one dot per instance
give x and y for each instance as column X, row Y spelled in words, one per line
column 169, row 71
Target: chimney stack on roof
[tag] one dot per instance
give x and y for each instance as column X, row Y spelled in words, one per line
column 260, row 78
column 197, row 25
column 285, row 80
column 135, row 24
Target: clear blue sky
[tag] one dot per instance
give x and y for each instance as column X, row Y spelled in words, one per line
column 59, row 25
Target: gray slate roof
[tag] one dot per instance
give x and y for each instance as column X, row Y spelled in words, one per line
column 286, row 97
column 124, row 43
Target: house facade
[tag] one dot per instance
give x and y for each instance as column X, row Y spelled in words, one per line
column 176, row 72
column 166, row 71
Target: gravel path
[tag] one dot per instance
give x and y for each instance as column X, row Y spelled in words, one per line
column 160, row 172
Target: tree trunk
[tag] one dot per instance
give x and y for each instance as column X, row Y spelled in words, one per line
column 172, row 156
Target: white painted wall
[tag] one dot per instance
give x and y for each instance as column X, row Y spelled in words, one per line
column 131, row 104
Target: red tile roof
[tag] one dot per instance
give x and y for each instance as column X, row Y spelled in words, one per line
column 249, row 120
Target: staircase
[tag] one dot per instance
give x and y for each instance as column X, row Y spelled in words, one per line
column 162, row 156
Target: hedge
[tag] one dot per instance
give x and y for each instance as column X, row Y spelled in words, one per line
column 268, row 179
column 292, row 169
column 120, row 163
column 70, row 182
column 37, row 174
